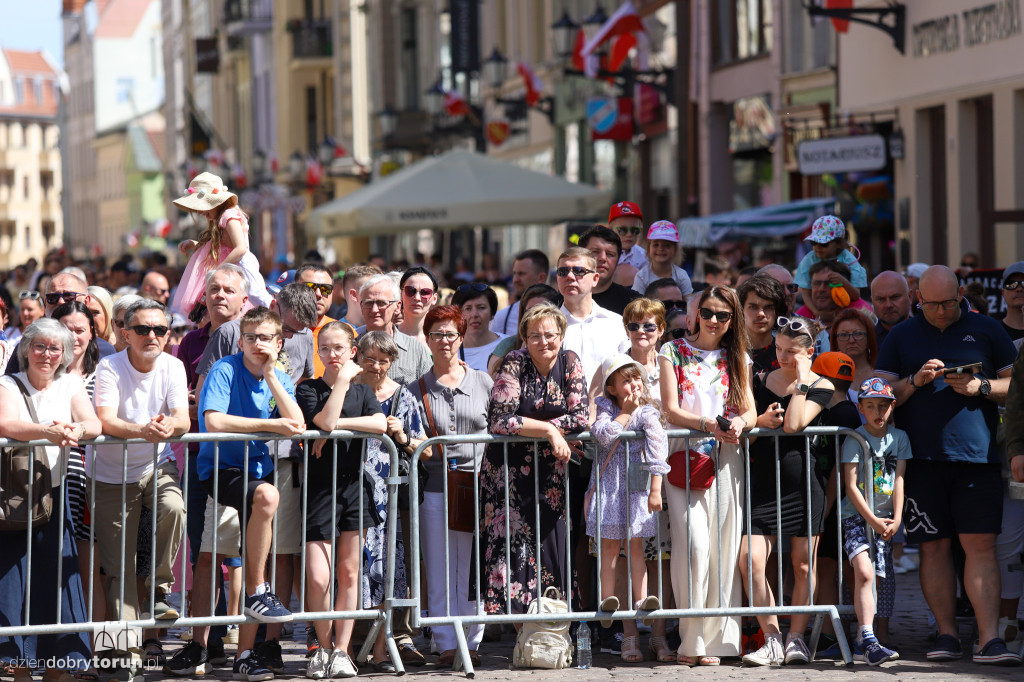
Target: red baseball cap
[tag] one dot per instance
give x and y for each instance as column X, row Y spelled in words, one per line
column 624, row 208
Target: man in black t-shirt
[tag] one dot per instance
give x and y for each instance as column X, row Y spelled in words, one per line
column 605, row 246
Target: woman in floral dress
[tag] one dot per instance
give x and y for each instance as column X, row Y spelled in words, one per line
column 539, row 392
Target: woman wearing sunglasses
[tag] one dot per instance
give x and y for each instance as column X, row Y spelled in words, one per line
column 644, row 319
column 792, row 397
column 418, row 286
column 478, row 303
column 703, row 379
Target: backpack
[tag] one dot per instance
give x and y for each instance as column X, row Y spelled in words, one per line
column 544, row 644
column 22, row 498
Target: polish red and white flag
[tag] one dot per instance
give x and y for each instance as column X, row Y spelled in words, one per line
column 625, row 20
column 534, row 85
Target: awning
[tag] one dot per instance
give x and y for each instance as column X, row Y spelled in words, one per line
column 459, row 189
column 764, row 221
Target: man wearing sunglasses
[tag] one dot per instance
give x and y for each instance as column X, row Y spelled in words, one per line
column 953, row 483
column 319, row 279
column 605, row 246
column 785, row 278
column 1013, row 298
column 140, row 393
column 625, row 219
column 156, row 287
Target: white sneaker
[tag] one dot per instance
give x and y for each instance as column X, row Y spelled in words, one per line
column 905, row 563
column 796, row 651
column 318, row 667
column 341, row 665
column 769, row 654
column 232, row 635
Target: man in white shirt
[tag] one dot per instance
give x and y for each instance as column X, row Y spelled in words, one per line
column 528, row 268
column 593, row 333
column 141, row 392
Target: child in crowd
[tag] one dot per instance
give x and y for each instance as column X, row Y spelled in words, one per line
column 246, row 393
column 662, row 255
column 828, row 239
column 890, row 450
column 627, row 512
column 225, row 240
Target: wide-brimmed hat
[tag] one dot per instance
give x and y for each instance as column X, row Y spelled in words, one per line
column 617, row 361
column 205, row 192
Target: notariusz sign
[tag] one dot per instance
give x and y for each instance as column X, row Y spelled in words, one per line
column 842, row 154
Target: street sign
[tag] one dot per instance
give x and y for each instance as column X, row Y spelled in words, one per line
column 610, row 118
column 842, row 154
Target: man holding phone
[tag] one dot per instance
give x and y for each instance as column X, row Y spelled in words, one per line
column 953, row 483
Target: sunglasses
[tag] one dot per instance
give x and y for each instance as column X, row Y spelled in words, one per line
column 324, row 289
column 795, row 324
column 673, row 303
column 478, row 287
column 677, row 333
column 576, row 270
column 34, row 295
column 145, row 329
column 722, row 315
column 635, row 231
column 412, row 291
column 58, row 296
column 646, row 326
column 1009, row 286
column 792, row 287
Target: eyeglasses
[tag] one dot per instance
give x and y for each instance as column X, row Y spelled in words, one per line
column 323, row 289
column 677, row 333
column 646, row 326
column 537, row 337
column 795, row 324
column 34, row 295
column 250, row 337
column 334, row 350
column 673, row 303
column 412, row 292
column 1009, row 286
column 722, row 316
column 371, row 362
column 41, row 348
column 443, row 336
column 58, row 296
column 948, row 304
column 145, row 329
column 851, row 336
column 792, row 287
column 370, row 305
column 624, row 231
column 288, row 330
column 478, row 287
column 576, row 270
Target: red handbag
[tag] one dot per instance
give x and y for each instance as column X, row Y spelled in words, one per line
column 701, row 467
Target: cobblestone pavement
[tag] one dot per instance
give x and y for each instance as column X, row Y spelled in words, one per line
column 909, row 626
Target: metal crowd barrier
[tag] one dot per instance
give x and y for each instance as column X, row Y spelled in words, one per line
column 381, row 615
column 457, row 622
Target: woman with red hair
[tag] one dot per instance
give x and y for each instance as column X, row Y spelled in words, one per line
column 854, row 334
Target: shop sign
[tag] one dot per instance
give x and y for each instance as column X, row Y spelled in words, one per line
column 207, row 55
column 842, row 154
column 753, row 124
column 981, row 25
column 610, row 118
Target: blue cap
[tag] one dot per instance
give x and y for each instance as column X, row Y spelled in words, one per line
column 286, row 278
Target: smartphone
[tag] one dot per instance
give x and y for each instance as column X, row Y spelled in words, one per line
column 723, row 423
column 972, row 368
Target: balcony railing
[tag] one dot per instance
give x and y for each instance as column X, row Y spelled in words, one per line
column 246, row 17
column 311, row 39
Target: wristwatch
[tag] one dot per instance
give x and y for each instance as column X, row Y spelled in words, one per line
column 986, row 387
column 803, row 388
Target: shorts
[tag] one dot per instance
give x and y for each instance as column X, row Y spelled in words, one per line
column 289, row 509
column 352, row 485
column 855, row 541
column 950, row 498
column 233, row 489
column 229, row 531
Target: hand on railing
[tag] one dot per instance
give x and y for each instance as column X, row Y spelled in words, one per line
column 286, row 427
column 62, row 434
column 159, row 428
column 559, row 448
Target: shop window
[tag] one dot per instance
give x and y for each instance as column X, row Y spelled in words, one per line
column 740, row 29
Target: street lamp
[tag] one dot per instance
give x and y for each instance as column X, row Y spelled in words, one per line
column 565, row 30
column 259, row 166
column 495, row 69
column 326, row 152
column 296, row 166
column 593, row 24
column 388, row 119
column 435, row 97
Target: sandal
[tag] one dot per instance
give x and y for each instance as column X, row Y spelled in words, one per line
column 153, row 652
column 686, row 660
column 658, row 648
column 631, row 650
column 608, row 605
column 649, row 603
column 709, row 660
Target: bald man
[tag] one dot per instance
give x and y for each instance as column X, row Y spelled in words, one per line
column 155, row 287
column 890, row 297
column 953, row 483
column 785, row 278
column 65, row 287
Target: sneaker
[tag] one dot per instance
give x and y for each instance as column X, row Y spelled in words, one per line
column 796, row 651
column 162, row 610
column 266, row 608
column 312, row 643
column 251, row 669
column 873, row 653
column 611, row 642
column 232, row 636
column 996, row 653
column 832, row 653
column 410, row 654
column 215, row 651
column 340, row 665
column 906, row 563
column 947, row 648
column 318, row 668
column 191, row 659
column 270, row 653
column 769, row 654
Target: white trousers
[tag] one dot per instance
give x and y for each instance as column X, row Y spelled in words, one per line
column 716, row 522
column 460, row 558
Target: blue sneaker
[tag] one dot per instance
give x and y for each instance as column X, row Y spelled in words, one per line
column 266, row 608
column 947, row 648
column 873, row 653
column 832, row 652
column 996, row 653
column 251, row 669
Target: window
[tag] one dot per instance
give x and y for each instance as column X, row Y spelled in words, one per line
column 808, row 46
column 740, row 29
column 37, row 90
column 25, row 185
column 311, row 136
column 410, row 58
column 19, row 90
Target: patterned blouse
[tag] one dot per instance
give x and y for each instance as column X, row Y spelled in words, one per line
column 519, row 382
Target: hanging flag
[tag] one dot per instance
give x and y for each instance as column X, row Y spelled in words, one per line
column 577, row 50
column 272, row 162
column 534, row 85
column 314, row 172
column 238, row 176
column 620, row 51
column 625, row 20
column 841, row 25
column 455, row 104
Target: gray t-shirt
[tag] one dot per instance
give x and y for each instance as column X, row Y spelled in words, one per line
column 224, row 341
column 885, row 453
column 413, row 359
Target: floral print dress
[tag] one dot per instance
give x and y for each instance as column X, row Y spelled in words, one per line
column 510, row 570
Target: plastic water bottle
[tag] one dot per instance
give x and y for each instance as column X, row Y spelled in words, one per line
column 584, row 657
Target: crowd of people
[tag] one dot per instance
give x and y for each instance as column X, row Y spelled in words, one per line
column 613, row 336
